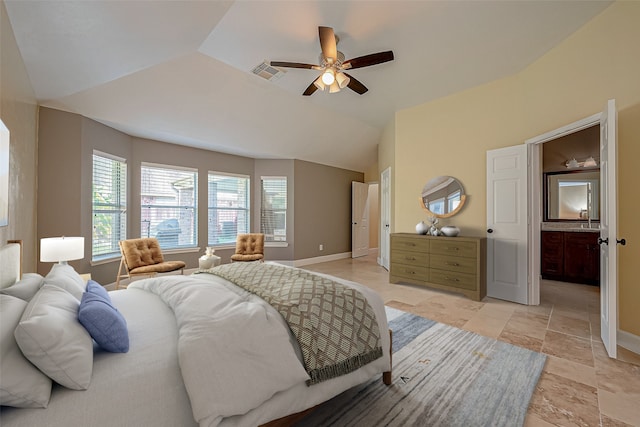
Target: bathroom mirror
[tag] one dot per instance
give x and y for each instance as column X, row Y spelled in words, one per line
column 572, row 195
column 442, row 197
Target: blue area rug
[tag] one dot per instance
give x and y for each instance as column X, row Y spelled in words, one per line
column 442, row 376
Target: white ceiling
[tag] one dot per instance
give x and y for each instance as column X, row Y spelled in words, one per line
column 180, row 71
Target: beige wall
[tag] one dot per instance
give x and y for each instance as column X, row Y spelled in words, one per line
column 319, row 205
column 323, row 209
column 450, row 136
column 19, row 113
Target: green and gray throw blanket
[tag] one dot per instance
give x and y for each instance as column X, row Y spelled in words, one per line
column 334, row 324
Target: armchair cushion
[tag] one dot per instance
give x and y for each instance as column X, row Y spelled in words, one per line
column 141, row 252
column 162, row 267
column 249, row 247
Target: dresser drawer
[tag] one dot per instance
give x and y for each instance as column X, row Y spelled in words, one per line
column 453, row 279
column 452, row 247
column 453, row 263
column 410, row 244
column 410, row 272
column 420, row 259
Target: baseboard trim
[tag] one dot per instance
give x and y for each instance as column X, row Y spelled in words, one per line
column 629, row 341
column 319, row 259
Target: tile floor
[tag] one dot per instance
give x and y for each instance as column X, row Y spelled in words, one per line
column 580, row 384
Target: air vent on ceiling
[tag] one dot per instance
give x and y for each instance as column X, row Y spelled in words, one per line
column 267, row 72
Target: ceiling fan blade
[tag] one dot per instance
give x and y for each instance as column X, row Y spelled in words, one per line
column 328, row 43
column 367, row 60
column 355, row 85
column 311, row 89
column 292, row 65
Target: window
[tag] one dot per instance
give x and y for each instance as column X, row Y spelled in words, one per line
column 228, row 207
column 437, row 206
column 453, row 200
column 273, row 211
column 109, row 206
column 168, row 200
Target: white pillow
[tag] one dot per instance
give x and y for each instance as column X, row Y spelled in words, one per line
column 65, row 277
column 26, row 287
column 51, row 337
column 22, row 385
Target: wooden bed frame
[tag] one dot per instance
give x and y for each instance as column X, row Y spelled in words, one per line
column 294, row 418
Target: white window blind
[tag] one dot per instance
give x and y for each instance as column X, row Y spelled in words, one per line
column 109, row 206
column 273, row 210
column 168, row 200
column 228, row 207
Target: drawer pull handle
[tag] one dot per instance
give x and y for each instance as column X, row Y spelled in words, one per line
column 453, row 248
column 451, row 279
column 410, row 258
column 455, row 264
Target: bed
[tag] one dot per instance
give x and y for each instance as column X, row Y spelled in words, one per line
column 245, row 371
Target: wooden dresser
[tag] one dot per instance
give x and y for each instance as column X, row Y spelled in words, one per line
column 456, row 264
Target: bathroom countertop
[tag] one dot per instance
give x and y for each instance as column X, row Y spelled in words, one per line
column 546, row 226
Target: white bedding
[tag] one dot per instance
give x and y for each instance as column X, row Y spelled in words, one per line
column 145, row 386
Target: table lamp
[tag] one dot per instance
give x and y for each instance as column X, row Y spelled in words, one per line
column 61, row 249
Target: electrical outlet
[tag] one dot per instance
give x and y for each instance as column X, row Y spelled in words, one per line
column 321, row 247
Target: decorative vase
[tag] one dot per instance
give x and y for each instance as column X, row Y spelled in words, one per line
column 450, row 230
column 205, row 262
column 422, row 228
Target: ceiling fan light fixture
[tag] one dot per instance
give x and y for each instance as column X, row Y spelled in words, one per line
column 342, row 80
column 329, row 76
column 334, row 87
column 319, row 83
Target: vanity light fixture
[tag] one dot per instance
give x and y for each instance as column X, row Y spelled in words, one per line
column 588, row 163
column 572, row 164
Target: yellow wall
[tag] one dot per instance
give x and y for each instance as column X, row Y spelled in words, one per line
column 450, row 136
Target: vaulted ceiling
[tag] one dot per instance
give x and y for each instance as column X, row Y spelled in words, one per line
column 181, row 71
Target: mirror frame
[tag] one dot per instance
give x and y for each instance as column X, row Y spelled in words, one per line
column 545, row 195
column 463, row 198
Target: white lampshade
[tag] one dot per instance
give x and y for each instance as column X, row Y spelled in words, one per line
column 319, row 83
column 334, row 87
column 573, row 163
column 590, row 162
column 342, row 80
column 61, row 249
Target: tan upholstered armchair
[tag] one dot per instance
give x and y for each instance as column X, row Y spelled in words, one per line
column 143, row 257
column 249, row 247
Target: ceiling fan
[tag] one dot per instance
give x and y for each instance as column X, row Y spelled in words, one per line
column 333, row 65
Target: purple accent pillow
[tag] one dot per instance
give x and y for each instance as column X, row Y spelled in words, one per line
column 102, row 320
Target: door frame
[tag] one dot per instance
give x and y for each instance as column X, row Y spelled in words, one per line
column 359, row 218
column 534, row 147
column 384, row 214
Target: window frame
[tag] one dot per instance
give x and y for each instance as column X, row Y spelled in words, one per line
column 246, row 209
column 152, row 224
column 268, row 237
column 119, row 206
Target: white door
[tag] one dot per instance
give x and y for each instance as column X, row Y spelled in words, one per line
column 359, row 219
column 507, row 219
column 385, row 218
column 608, row 230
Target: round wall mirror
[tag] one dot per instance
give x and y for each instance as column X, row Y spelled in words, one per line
column 442, row 197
